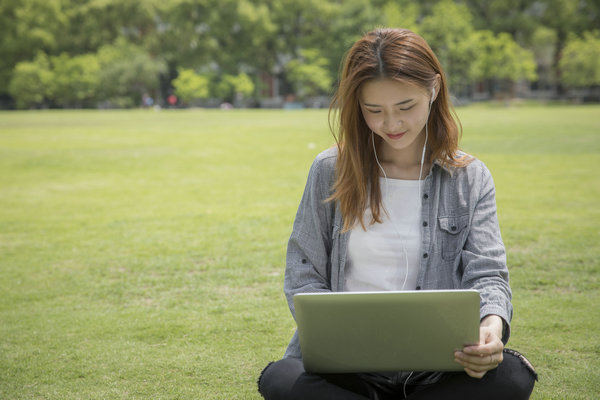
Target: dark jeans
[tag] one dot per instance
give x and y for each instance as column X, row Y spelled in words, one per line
column 286, row 379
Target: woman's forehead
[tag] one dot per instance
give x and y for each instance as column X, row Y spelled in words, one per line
column 388, row 90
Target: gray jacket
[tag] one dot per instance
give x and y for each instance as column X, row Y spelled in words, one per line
column 461, row 243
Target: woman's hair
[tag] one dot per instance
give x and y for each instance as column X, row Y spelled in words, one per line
column 398, row 54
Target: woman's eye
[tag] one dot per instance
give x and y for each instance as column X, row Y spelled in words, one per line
column 407, row 108
column 374, row 111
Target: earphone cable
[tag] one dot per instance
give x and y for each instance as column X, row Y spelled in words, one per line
column 405, row 253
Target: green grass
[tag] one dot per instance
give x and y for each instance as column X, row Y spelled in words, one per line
column 142, row 253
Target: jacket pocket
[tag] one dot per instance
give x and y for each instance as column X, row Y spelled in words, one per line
column 453, row 233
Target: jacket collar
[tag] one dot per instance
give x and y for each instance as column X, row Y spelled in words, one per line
column 449, row 168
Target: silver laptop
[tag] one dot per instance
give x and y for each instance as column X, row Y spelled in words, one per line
column 386, row 331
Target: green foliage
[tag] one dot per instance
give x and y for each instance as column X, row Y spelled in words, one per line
column 31, row 80
column 247, row 38
column 95, row 23
column 190, row 86
column 499, row 56
column 222, row 33
column 543, row 45
column 580, row 63
column 26, row 28
column 231, row 88
column 447, row 31
column 337, row 26
column 301, row 42
column 402, row 14
column 242, row 85
column 520, row 18
column 309, row 73
column 76, row 80
column 127, row 73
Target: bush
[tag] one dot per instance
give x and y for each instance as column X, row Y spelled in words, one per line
column 30, row 83
column 76, row 80
column 190, row 86
column 127, row 73
column 580, row 62
column 234, row 87
column 309, row 74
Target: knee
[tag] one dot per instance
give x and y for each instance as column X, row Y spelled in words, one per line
column 519, row 374
column 264, row 380
column 277, row 379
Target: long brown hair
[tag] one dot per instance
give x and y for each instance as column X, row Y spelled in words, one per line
column 384, row 53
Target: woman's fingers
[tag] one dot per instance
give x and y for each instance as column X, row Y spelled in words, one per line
column 477, row 366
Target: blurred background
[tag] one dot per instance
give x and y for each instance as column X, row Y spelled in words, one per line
column 282, row 53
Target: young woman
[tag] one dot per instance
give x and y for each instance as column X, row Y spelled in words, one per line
column 396, row 206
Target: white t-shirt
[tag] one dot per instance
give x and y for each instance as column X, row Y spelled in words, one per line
column 380, row 258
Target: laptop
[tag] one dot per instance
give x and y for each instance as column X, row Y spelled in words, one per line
column 419, row 330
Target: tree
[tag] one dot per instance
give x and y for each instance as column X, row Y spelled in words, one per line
column 190, row 86
column 543, row 47
column 580, row 63
column 76, row 80
column 142, row 44
column 30, row 82
column 248, row 39
column 340, row 24
column 327, row 27
column 499, row 57
column 520, row 18
column 309, row 74
column 401, row 14
column 93, row 24
column 26, row 28
column 234, row 88
column 127, row 73
column 565, row 17
column 448, row 30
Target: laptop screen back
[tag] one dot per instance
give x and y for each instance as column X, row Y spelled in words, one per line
column 385, row 331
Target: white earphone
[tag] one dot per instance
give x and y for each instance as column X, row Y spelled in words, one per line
column 426, row 137
column 405, row 253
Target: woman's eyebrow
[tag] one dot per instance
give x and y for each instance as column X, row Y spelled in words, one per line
column 397, row 104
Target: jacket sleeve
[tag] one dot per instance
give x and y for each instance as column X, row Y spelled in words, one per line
column 308, row 266
column 484, row 256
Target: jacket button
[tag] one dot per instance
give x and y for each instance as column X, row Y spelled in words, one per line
column 304, row 261
column 453, row 228
column 424, row 223
column 418, row 288
column 425, row 196
column 425, row 255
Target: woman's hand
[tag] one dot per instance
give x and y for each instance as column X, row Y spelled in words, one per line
column 487, row 355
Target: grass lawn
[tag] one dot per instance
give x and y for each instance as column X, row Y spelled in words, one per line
column 142, row 253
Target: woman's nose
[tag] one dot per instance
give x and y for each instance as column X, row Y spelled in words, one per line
column 392, row 123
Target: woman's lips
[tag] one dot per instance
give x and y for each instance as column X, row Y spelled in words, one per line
column 395, row 135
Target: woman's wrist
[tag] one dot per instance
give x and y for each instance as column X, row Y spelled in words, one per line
column 494, row 323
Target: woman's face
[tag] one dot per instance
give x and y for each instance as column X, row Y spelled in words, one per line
column 397, row 112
